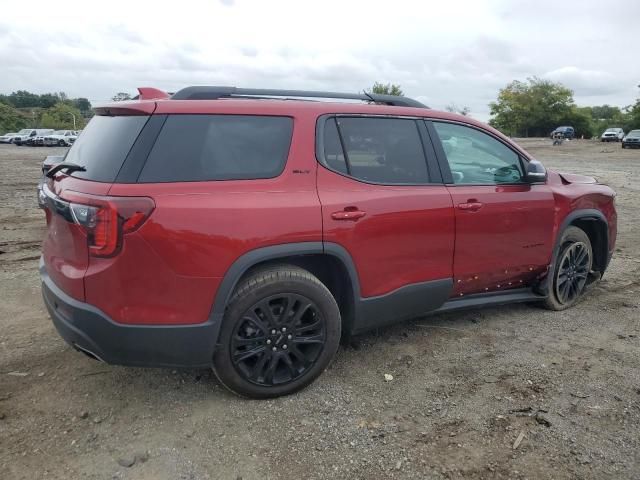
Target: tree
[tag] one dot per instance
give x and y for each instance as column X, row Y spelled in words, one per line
column 453, row 108
column 10, row 119
column 121, row 97
column 82, row 104
column 388, row 89
column 534, row 107
column 61, row 117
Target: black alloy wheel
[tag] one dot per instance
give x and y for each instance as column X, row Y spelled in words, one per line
column 572, row 273
column 278, row 339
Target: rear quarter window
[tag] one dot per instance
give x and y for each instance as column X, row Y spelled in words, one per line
column 104, row 145
column 193, row 148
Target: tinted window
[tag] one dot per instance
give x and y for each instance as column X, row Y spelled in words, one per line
column 219, row 147
column 333, row 153
column 104, row 145
column 379, row 150
column 477, row 158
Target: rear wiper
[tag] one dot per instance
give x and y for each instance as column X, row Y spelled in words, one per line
column 68, row 166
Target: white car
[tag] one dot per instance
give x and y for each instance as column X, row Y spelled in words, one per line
column 612, row 135
column 60, row 138
column 7, row 137
column 26, row 136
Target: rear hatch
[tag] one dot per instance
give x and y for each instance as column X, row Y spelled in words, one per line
column 81, row 219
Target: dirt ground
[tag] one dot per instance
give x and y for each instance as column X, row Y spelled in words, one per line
column 465, row 386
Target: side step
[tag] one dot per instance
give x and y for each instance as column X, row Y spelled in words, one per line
column 478, row 300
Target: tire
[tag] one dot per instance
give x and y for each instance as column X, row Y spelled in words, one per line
column 570, row 270
column 260, row 353
column 61, row 143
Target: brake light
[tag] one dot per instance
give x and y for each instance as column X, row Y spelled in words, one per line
column 107, row 219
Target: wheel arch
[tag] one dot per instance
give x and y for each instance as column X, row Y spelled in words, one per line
column 595, row 225
column 330, row 262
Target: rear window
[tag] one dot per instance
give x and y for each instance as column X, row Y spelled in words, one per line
column 104, row 145
column 193, row 148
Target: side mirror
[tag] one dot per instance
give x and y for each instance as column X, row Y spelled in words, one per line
column 535, row 172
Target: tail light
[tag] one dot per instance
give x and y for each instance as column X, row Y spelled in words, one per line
column 107, row 219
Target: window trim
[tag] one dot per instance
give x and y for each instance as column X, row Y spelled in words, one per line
column 430, row 156
column 444, row 163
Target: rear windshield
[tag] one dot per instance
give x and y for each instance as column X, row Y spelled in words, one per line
column 104, row 145
column 193, row 148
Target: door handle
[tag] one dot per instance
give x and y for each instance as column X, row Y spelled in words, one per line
column 349, row 213
column 470, row 206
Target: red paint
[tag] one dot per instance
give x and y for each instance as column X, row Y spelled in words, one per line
column 169, row 269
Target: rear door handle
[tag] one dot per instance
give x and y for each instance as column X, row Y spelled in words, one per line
column 349, row 213
column 470, row 206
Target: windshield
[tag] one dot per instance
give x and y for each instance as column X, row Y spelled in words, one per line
column 612, row 130
column 634, row 133
column 24, row 131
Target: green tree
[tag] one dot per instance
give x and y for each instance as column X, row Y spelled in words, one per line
column 632, row 119
column 82, row 104
column 23, row 99
column 61, row 116
column 387, row 89
column 581, row 120
column 121, row 97
column 11, row 120
column 531, row 108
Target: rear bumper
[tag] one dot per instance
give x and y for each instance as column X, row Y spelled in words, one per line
column 87, row 329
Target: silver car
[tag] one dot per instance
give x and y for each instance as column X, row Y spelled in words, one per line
column 612, row 135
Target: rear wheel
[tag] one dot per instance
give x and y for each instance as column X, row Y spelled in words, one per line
column 61, row 143
column 280, row 331
column 571, row 269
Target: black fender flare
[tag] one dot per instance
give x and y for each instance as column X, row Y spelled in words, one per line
column 273, row 252
column 581, row 214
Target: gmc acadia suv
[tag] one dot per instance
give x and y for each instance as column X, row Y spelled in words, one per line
column 249, row 230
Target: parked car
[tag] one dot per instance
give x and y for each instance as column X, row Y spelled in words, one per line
column 73, row 138
column 566, row 132
column 38, row 140
column 612, row 135
column 27, row 136
column 632, row 139
column 23, row 135
column 60, row 138
column 288, row 224
column 7, row 137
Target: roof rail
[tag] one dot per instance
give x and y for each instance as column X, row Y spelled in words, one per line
column 214, row 93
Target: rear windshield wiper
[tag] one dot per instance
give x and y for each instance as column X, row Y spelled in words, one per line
column 68, row 166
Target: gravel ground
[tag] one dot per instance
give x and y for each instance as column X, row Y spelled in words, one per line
column 510, row 392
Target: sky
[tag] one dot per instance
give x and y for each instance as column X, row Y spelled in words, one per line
column 440, row 52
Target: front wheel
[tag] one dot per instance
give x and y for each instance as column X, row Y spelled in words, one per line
column 280, row 331
column 571, row 269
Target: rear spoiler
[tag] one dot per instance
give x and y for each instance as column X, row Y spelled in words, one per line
column 141, row 104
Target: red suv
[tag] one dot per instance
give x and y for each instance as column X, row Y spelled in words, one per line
column 249, row 230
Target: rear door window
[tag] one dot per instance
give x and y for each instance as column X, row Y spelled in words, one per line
column 377, row 150
column 104, row 145
column 192, row 148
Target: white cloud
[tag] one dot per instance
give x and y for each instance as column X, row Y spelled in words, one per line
column 456, row 51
